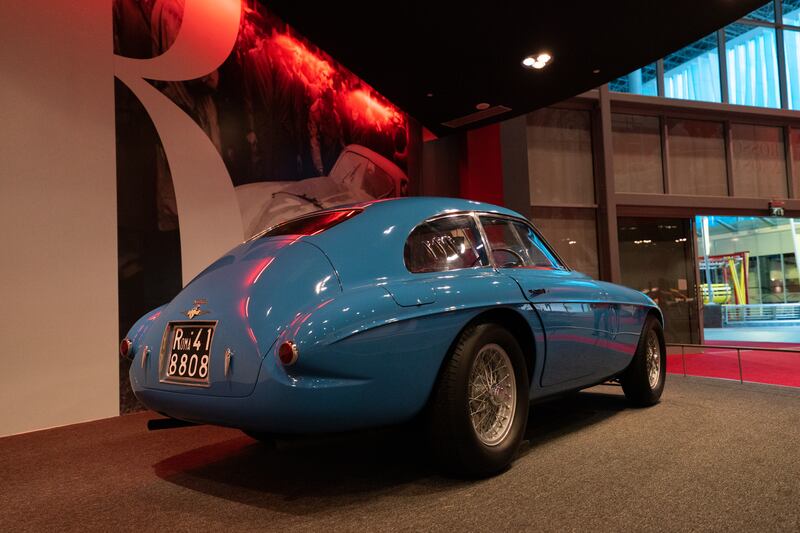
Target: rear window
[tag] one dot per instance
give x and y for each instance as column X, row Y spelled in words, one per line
column 311, row 224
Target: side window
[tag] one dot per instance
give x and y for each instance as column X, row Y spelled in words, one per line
column 515, row 244
column 446, row 243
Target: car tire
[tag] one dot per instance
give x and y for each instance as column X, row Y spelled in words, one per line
column 643, row 380
column 463, row 440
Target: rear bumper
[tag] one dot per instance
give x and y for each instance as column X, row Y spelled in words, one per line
column 283, row 403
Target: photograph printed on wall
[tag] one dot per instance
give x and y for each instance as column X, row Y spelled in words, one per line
column 297, row 132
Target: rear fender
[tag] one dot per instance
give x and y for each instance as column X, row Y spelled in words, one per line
column 142, row 326
column 252, row 295
column 363, row 340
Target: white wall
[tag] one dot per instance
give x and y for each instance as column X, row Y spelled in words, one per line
column 58, row 252
column 58, row 202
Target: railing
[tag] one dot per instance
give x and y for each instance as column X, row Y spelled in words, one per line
column 739, row 350
column 737, row 314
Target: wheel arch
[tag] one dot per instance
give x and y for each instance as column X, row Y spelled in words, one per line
column 656, row 312
column 506, row 317
column 659, row 317
column 515, row 323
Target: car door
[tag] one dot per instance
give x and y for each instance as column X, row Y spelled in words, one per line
column 572, row 307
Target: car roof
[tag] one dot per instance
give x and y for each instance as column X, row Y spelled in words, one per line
column 420, row 208
column 369, row 246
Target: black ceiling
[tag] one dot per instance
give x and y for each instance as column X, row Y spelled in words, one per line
column 467, row 53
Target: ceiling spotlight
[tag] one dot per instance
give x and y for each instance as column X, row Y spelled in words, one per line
column 482, row 106
column 538, row 61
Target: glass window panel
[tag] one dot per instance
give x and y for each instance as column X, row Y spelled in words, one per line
column 640, row 81
column 655, row 256
column 515, row 245
column 692, row 73
column 794, row 138
column 752, row 60
column 772, row 290
column 753, row 286
column 696, row 157
column 759, row 165
column 791, row 12
column 637, row 153
column 765, row 13
column 443, row 244
column 792, row 278
column 573, row 234
column 560, row 146
column 773, row 274
column 791, row 43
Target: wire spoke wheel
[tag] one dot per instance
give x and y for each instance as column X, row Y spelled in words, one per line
column 479, row 409
column 492, row 395
column 653, row 359
column 643, row 380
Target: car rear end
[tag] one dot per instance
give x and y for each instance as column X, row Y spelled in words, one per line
column 202, row 356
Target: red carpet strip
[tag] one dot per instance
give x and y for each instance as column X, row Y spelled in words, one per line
column 775, row 368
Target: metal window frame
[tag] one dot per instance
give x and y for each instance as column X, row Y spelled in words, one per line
column 475, row 217
column 562, row 265
column 470, row 215
column 786, row 121
column 780, row 49
column 723, row 66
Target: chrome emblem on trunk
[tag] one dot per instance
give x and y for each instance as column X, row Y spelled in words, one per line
column 196, row 311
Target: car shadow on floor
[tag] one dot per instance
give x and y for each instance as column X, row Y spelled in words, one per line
column 312, row 475
column 553, row 419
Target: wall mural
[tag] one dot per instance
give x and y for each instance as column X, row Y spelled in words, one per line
column 229, row 121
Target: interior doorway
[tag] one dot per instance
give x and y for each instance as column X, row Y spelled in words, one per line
column 657, row 257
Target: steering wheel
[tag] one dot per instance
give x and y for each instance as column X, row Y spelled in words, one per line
column 519, row 257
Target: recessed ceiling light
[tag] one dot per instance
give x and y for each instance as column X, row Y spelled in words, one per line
column 596, row 71
column 537, row 61
column 482, row 106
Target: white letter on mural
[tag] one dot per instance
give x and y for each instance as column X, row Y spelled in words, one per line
column 208, row 212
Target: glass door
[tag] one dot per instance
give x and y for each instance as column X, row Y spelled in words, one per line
column 657, row 257
column 749, row 278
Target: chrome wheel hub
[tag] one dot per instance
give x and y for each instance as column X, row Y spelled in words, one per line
column 653, row 356
column 492, row 394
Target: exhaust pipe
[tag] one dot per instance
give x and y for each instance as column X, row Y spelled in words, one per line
column 167, row 423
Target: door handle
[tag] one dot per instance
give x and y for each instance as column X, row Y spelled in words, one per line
column 536, row 292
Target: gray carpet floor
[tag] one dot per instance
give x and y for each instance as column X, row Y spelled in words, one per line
column 713, row 455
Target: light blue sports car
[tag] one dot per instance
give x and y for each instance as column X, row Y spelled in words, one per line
column 451, row 311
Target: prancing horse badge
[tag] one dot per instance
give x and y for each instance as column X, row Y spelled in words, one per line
column 196, row 311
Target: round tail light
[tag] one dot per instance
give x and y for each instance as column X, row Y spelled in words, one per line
column 126, row 348
column 287, row 353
